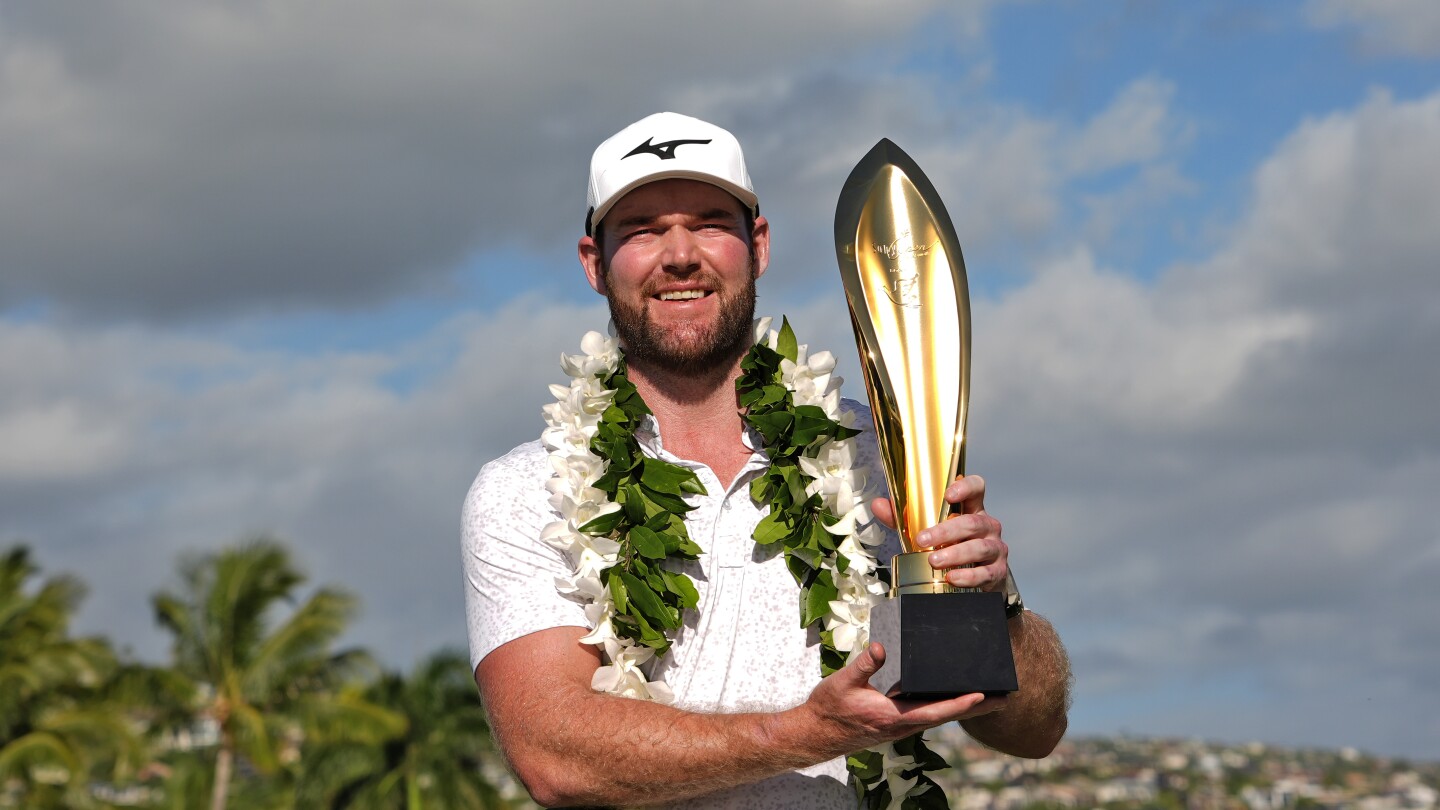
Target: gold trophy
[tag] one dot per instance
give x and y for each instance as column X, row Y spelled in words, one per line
column 910, row 306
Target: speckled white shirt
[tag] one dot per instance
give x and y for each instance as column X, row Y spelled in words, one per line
column 742, row 650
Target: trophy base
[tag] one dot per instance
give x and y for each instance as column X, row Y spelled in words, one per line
column 941, row 645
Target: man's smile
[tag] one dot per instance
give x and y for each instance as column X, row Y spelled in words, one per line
column 682, row 295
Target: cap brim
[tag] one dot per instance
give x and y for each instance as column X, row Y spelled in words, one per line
column 744, row 195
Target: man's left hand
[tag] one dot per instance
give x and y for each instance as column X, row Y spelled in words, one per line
column 969, row 536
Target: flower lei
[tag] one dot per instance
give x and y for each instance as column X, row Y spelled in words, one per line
column 622, row 516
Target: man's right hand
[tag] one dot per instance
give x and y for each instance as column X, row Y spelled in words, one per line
column 858, row 716
column 571, row 745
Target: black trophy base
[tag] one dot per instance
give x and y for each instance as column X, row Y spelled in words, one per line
column 940, row 645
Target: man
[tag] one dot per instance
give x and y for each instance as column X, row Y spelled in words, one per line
column 675, row 243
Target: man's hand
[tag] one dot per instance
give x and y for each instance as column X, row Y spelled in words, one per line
column 970, row 537
column 545, row 717
column 1033, row 719
column 857, row 716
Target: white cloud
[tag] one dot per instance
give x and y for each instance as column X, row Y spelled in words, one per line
column 1410, row 27
column 226, row 157
column 57, row 440
column 1138, row 126
column 1221, row 476
column 217, row 443
column 1347, row 199
column 1106, row 349
column 1006, row 173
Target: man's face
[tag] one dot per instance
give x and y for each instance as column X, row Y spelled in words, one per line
column 677, row 262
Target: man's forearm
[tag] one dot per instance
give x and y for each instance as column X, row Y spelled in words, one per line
column 1034, row 719
column 572, row 746
column 609, row 750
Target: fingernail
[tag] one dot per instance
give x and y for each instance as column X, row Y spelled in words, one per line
column 923, row 538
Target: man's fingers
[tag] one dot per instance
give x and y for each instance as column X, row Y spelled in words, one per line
column 968, row 493
column 868, row 662
column 985, row 577
column 934, row 713
column 981, row 550
column 884, row 511
column 856, row 674
column 960, row 528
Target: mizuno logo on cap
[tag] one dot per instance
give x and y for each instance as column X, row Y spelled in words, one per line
column 664, row 151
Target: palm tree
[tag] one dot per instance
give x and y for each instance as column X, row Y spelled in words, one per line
column 446, row 757
column 261, row 674
column 56, row 728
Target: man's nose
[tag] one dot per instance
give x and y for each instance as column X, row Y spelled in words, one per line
column 680, row 252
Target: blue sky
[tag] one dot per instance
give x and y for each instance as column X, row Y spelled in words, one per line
column 303, row 267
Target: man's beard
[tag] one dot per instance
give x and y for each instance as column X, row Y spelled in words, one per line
column 687, row 349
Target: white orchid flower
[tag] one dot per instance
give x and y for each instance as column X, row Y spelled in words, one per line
column 848, row 619
column 833, row 460
column 871, row 534
column 901, row 789
column 856, row 515
column 862, row 562
column 599, row 613
column 590, row 554
column 834, row 474
column 601, row 347
column 582, row 587
column 578, row 471
column 592, row 560
column 623, row 675
column 760, row 328
column 583, row 506
column 560, row 534
column 820, row 363
column 600, row 354
column 849, row 625
column 572, row 433
column 660, row 692
column 856, row 586
column 811, row 381
column 894, row 763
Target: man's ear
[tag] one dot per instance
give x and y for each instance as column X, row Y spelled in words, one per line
column 590, row 259
column 760, row 245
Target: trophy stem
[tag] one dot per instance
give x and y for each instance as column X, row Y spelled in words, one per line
column 910, row 572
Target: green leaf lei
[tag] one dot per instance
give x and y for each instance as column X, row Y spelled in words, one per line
column 650, row 599
column 650, row 524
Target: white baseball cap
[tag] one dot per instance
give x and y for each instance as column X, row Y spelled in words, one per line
column 661, row 146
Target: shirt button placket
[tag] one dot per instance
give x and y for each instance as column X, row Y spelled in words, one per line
column 729, row 535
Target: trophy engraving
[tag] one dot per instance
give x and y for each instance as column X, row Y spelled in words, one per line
column 909, row 303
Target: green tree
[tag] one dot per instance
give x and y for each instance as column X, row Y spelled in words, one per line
column 57, row 728
column 262, row 674
column 445, row 758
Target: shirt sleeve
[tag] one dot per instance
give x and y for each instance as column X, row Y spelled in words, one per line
column 509, row 572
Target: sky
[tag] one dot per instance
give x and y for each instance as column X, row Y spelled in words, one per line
column 301, row 268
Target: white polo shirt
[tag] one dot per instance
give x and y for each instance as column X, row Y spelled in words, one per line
column 741, row 650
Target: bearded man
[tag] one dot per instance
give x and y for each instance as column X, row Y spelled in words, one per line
column 675, row 242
